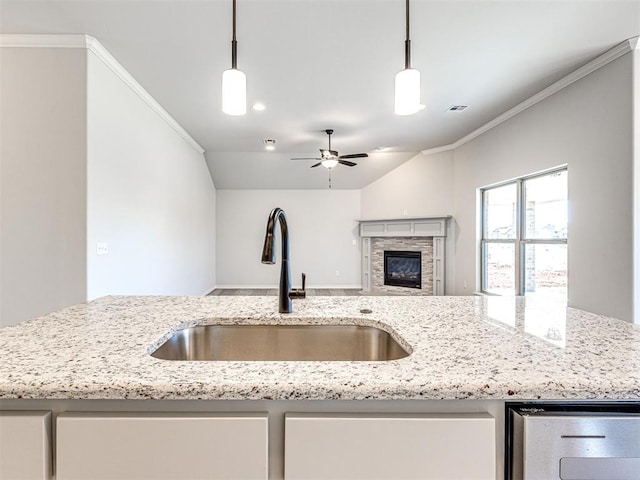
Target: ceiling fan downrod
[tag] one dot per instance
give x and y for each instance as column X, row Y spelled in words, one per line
column 329, row 132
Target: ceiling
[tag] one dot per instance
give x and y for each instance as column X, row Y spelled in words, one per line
column 319, row 64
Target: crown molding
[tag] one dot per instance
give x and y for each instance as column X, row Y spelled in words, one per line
column 44, row 41
column 595, row 64
column 94, row 46
column 444, row 148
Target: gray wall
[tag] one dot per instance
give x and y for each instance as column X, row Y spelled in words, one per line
column 423, row 186
column 42, row 181
column 85, row 160
column 636, row 184
column 322, row 226
column 588, row 127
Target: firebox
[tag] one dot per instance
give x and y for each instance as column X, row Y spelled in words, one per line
column 403, row 269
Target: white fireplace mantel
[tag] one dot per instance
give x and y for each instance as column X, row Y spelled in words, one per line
column 405, row 227
column 435, row 227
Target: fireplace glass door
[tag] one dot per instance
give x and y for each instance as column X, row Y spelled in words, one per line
column 403, row 269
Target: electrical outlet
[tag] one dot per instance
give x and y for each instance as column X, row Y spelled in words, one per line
column 405, row 212
column 337, row 273
column 102, row 248
column 464, row 284
column 353, row 242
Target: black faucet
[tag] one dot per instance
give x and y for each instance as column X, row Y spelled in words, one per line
column 269, row 257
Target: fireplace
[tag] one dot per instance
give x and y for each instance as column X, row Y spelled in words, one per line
column 403, row 269
column 426, row 235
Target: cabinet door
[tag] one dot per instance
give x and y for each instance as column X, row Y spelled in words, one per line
column 161, row 446
column 327, row 447
column 25, row 445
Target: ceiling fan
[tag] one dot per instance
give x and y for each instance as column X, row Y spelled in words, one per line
column 330, row 158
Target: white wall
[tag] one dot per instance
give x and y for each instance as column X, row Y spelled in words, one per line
column 587, row 126
column 322, row 229
column 423, row 186
column 150, row 197
column 42, row 181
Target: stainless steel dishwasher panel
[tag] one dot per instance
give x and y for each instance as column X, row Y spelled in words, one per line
column 575, row 446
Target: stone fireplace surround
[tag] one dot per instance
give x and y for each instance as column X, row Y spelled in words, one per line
column 426, row 235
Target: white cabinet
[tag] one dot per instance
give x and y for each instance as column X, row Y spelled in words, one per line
column 162, row 446
column 350, row 446
column 25, row 445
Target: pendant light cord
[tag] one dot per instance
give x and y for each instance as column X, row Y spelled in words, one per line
column 234, row 43
column 407, row 42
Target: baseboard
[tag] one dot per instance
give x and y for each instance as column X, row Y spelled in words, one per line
column 208, row 291
column 349, row 287
column 271, row 287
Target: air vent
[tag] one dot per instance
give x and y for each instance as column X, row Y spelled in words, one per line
column 457, row 108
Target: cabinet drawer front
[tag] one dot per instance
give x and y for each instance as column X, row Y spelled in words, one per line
column 25, row 445
column 161, row 446
column 389, row 447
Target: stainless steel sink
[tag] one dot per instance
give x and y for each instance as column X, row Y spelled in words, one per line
column 281, row 343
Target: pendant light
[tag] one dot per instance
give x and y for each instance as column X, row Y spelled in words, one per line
column 407, row 81
column 234, row 81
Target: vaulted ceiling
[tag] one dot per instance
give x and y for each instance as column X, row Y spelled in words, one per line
column 319, row 64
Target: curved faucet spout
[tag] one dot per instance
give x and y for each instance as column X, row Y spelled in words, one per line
column 269, row 256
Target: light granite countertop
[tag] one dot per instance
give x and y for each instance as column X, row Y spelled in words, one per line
column 461, row 348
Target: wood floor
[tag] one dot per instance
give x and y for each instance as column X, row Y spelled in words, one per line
column 311, row 292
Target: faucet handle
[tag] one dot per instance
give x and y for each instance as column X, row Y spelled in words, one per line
column 299, row 292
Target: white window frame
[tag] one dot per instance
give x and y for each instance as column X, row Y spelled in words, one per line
column 519, row 241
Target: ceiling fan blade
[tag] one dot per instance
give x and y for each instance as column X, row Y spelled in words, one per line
column 305, row 158
column 347, row 163
column 354, row 155
column 316, row 165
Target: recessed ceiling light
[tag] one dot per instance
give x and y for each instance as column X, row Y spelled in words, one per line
column 269, row 144
column 457, row 108
column 381, row 149
column 259, row 107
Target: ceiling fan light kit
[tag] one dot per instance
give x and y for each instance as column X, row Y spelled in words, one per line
column 407, row 92
column 330, row 158
column 234, row 81
column 329, row 164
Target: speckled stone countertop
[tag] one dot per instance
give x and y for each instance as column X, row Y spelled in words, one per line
column 461, row 348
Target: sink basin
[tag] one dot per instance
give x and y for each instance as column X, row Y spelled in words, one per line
column 281, row 343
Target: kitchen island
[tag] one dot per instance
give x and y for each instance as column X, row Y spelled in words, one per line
column 467, row 356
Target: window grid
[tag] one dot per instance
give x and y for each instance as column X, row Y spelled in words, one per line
column 520, row 241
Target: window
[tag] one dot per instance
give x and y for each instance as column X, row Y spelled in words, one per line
column 524, row 236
